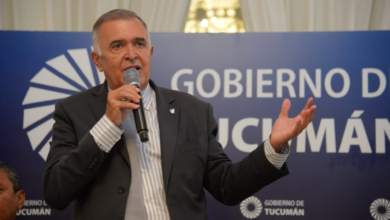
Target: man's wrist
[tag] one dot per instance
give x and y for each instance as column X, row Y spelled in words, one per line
column 106, row 133
column 275, row 145
column 277, row 159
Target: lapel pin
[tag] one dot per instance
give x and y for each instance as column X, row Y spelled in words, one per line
column 172, row 111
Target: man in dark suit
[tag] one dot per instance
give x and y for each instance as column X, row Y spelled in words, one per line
column 89, row 160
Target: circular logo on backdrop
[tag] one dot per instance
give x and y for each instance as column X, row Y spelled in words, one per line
column 380, row 209
column 59, row 78
column 251, row 207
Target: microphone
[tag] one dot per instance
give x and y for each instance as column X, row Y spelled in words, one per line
column 133, row 78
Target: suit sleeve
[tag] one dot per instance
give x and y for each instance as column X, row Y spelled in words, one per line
column 231, row 183
column 71, row 163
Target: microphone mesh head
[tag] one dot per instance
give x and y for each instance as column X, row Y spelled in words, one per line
column 132, row 77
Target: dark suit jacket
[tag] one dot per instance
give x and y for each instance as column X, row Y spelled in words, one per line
column 191, row 158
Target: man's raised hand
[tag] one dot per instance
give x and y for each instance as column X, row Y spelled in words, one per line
column 286, row 128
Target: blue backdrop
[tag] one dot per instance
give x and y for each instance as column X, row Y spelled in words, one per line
column 339, row 166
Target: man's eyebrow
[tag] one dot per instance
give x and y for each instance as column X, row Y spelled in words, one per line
column 138, row 39
column 115, row 42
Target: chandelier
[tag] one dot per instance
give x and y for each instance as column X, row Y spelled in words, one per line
column 214, row 16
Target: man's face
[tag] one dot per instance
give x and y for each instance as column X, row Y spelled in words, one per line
column 123, row 44
column 10, row 202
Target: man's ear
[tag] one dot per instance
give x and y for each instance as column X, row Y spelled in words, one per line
column 96, row 59
column 21, row 197
column 151, row 50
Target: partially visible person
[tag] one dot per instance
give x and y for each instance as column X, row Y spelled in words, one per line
column 11, row 195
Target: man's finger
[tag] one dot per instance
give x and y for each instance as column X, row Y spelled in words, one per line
column 312, row 111
column 309, row 103
column 131, row 88
column 124, row 95
column 285, row 108
column 125, row 90
column 127, row 105
column 297, row 126
column 305, row 119
column 304, row 113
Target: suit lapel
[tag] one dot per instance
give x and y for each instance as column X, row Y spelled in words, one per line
column 168, row 123
column 98, row 104
column 98, row 101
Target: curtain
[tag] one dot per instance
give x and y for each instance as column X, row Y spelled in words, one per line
column 171, row 15
column 315, row 15
column 80, row 15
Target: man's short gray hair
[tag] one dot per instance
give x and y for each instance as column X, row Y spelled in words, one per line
column 116, row 14
column 12, row 176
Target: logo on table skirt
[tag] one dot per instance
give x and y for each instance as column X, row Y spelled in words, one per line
column 251, row 207
column 59, row 78
column 380, row 209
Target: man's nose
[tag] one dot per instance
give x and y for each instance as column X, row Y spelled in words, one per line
column 131, row 54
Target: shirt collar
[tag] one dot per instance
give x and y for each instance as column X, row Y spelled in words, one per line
column 146, row 95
